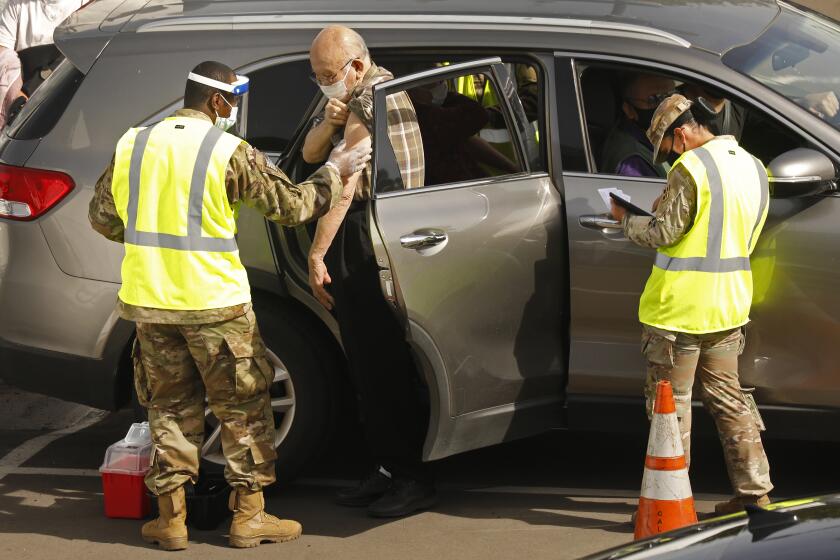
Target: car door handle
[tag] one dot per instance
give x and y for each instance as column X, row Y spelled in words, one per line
column 599, row 222
column 422, row 239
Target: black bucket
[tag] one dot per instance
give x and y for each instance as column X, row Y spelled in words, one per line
column 207, row 503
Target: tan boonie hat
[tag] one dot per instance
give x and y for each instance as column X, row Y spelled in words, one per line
column 664, row 116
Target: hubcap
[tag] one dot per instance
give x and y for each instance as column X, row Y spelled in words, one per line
column 282, row 404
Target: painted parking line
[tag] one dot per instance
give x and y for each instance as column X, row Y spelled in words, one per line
column 46, row 471
column 342, row 483
column 25, row 451
column 630, row 494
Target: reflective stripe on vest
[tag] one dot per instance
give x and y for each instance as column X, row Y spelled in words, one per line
column 713, row 262
column 703, row 282
column 193, row 241
column 169, row 190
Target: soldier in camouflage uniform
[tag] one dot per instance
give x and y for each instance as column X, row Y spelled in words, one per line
column 182, row 357
column 675, row 355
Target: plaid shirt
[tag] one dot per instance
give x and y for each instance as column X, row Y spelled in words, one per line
column 403, row 130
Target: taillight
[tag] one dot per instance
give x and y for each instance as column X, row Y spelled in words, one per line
column 27, row 193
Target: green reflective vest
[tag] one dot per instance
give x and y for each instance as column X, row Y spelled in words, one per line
column 169, row 190
column 703, row 283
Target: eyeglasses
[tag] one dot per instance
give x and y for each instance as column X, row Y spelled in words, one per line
column 652, row 100
column 331, row 79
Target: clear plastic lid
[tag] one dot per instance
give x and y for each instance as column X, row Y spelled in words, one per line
column 139, row 434
column 130, row 455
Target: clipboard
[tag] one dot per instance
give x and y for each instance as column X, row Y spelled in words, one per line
column 629, row 206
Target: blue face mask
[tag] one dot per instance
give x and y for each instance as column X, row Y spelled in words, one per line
column 226, row 123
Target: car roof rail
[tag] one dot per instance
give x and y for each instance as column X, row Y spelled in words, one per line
column 361, row 21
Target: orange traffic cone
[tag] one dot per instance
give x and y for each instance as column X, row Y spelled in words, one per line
column 666, row 502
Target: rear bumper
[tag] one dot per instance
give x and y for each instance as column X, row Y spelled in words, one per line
column 94, row 382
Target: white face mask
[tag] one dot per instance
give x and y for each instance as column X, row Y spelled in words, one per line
column 226, row 123
column 439, row 93
column 338, row 90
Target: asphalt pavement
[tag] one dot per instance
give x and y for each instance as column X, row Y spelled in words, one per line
column 560, row 495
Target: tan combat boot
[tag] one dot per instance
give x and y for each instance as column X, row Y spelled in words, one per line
column 169, row 529
column 251, row 525
column 737, row 504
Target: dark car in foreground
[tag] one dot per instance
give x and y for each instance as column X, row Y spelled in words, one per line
column 520, row 306
column 807, row 529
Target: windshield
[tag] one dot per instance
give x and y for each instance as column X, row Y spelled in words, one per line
column 798, row 56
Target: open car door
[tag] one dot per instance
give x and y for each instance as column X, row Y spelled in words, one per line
column 473, row 259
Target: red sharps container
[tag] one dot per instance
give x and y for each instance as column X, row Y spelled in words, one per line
column 126, row 463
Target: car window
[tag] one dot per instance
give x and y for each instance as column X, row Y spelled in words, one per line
column 618, row 101
column 46, row 106
column 797, row 56
column 572, row 148
column 465, row 130
column 277, row 101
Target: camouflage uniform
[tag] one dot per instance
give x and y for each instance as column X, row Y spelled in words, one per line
column 675, row 356
column 181, row 357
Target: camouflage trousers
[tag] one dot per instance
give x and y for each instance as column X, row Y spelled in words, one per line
column 175, row 368
column 713, row 357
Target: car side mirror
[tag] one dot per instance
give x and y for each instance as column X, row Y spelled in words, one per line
column 801, row 172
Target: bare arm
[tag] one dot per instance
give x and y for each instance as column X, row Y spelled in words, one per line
column 317, row 145
column 354, row 133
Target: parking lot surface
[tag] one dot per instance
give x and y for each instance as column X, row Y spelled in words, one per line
column 562, row 495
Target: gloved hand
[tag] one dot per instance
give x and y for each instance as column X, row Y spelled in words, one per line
column 352, row 161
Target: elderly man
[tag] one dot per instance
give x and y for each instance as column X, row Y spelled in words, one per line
column 626, row 149
column 383, row 370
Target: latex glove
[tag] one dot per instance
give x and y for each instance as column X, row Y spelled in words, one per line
column 350, row 161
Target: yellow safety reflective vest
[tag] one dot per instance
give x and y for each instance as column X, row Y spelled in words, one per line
column 169, row 190
column 703, row 283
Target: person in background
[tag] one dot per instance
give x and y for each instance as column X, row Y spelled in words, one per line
column 448, row 122
column 626, row 150
column 26, row 28
column 31, row 23
column 10, row 82
column 729, row 117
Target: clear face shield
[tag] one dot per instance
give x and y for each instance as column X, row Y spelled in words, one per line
column 236, row 123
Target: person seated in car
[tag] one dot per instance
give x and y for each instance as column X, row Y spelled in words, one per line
column 528, row 88
column 627, row 150
column 730, row 116
column 448, row 121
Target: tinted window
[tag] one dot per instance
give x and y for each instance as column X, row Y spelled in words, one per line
column 465, row 131
column 615, row 100
column 572, row 151
column 278, row 98
column 47, row 104
column 609, row 100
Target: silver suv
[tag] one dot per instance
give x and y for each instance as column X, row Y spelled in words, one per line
column 517, row 297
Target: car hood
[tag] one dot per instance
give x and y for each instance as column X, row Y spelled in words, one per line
column 807, row 528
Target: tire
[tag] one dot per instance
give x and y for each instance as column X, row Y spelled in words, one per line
column 305, row 394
